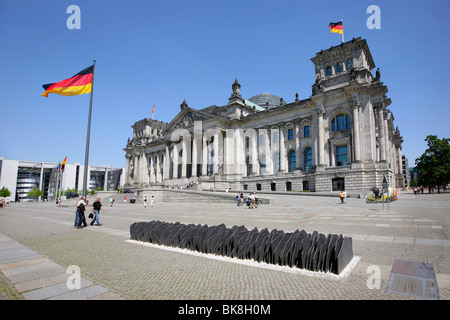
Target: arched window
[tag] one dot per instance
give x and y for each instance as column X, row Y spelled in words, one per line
column 340, row 67
column 307, row 159
column 291, row 161
column 328, row 71
column 340, row 122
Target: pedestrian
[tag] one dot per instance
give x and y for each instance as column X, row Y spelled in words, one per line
column 238, row 199
column 81, row 207
column 111, row 201
column 152, row 201
column 252, row 200
column 249, row 201
column 96, row 207
column 145, row 202
column 342, row 196
column 77, row 215
column 125, row 199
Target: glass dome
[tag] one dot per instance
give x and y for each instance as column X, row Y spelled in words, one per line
column 263, row 98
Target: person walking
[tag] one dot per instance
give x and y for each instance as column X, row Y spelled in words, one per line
column 96, row 207
column 111, row 201
column 81, row 207
column 145, row 201
column 152, row 201
column 238, row 199
column 342, row 196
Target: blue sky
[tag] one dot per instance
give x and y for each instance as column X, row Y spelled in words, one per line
column 165, row 51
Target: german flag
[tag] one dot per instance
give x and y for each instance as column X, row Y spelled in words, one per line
column 63, row 164
column 80, row 83
column 337, row 27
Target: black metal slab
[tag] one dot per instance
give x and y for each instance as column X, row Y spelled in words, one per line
column 311, row 251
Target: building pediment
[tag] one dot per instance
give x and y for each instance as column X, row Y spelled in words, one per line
column 186, row 119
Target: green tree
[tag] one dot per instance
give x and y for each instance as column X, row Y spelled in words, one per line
column 35, row 192
column 434, row 164
column 4, row 192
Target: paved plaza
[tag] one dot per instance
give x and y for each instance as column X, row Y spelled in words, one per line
column 39, row 249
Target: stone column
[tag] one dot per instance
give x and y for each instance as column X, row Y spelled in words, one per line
column 320, row 114
column 175, row 161
column 283, row 155
column 254, row 153
column 381, row 130
column 151, row 170
column 194, row 155
column 127, row 168
column 184, row 156
column 297, row 132
column 356, row 139
column 216, row 152
column 137, row 171
column 386, row 136
column 267, row 151
column 158, row 177
column 204, row 157
column 166, row 163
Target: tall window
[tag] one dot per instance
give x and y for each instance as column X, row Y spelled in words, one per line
column 340, row 122
column 291, row 161
column 291, row 134
column 328, row 71
column 341, row 156
column 340, row 67
column 306, row 131
column 261, row 139
column 247, row 142
column 307, row 159
column 275, row 137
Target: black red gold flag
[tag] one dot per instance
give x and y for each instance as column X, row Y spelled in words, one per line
column 337, row 27
column 80, row 83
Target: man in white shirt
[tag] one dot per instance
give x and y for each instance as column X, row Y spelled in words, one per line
column 79, row 214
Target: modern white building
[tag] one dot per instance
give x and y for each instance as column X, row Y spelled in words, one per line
column 341, row 137
column 21, row 176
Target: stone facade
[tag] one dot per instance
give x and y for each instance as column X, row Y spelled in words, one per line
column 341, row 137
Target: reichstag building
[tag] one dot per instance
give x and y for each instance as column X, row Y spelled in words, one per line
column 341, row 138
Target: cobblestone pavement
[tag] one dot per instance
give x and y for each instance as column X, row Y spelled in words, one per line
column 38, row 243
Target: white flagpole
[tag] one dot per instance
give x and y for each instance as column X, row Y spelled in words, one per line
column 88, row 135
column 342, row 31
column 57, row 182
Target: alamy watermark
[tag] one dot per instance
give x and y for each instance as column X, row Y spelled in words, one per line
column 74, row 280
column 74, row 20
column 374, row 280
column 374, row 21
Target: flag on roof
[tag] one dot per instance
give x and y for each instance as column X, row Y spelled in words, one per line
column 337, row 27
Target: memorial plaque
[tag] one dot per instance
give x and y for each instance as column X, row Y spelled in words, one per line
column 413, row 279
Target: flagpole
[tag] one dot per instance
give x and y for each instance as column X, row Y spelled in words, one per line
column 61, row 187
column 57, row 183
column 86, row 157
column 342, row 31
